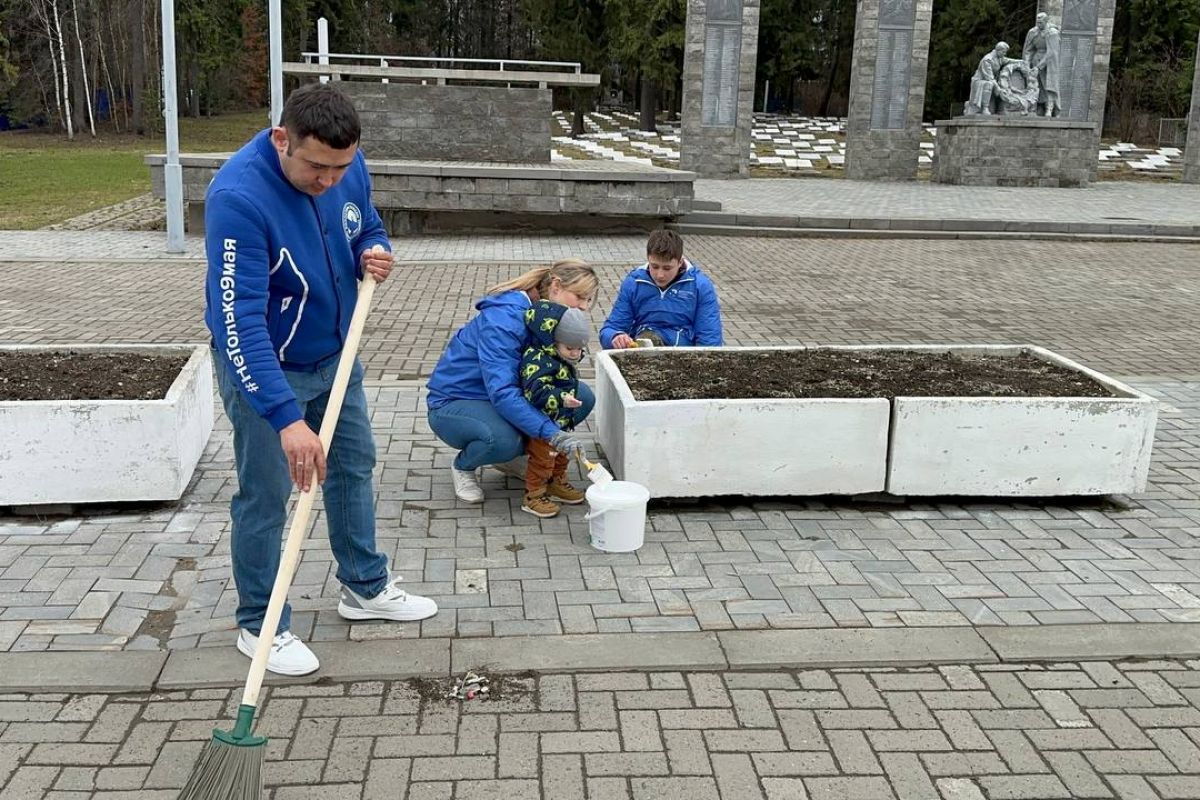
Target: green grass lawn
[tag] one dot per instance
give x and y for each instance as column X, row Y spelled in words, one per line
column 46, row 178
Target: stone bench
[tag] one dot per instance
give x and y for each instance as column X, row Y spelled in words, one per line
column 435, row 196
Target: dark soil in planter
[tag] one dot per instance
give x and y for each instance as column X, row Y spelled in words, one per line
column 691, row 375
column 78, row 375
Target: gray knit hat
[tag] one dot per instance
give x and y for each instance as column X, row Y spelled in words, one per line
column 573, row 329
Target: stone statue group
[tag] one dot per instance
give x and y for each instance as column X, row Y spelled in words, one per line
column 1003, row 85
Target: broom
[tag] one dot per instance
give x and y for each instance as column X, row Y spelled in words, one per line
column 230, row 766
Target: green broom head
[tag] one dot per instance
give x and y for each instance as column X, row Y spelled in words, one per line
column 231, row 764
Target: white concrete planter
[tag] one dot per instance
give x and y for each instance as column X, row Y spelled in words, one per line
column 994, row 447
column 700, row 448
column 92, row 451
column 1022, row 447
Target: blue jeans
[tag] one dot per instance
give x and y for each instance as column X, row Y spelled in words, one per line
column 259, row 509
column 482, row 436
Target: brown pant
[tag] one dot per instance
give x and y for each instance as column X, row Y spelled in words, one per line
column 545, row 465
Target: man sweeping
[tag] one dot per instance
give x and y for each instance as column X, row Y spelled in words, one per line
column 290, row 230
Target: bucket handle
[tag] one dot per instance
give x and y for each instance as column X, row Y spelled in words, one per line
column 592, row 513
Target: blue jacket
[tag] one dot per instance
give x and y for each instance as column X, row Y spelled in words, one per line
column 282, row 271
column 545, row 375
column 483, row 360
column 684, row 314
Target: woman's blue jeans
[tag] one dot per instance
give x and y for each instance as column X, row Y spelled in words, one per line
column 482, row 436
column 260, row 507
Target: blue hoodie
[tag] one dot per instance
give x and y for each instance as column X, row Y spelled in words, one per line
column 685, row 314
column 282, row 271
column 483, row 360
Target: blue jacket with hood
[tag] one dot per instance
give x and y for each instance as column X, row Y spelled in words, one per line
column 282, row 271
column 483, row 362
column 684, row 314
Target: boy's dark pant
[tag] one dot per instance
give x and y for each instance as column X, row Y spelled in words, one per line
column 545, row 465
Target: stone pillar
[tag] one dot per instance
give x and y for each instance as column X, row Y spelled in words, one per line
column 887, row 89
column 719, row 60
column 1191, row 157
column 1085, row 42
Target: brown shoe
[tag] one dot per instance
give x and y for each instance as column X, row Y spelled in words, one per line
column 540, row 506
column 562, row 491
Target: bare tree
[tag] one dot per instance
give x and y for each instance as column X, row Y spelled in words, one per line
column 137, row 64
column 83, row 71
column 108, row 80
column 51, row 24
column 62, row 60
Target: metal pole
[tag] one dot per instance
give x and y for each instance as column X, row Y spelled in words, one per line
column 276, row 20
column 172, row 171
column 766, row 94
column 323, row 44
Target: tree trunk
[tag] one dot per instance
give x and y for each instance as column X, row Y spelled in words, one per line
column 137, row 63
column 582, row 99
column 508, row 31
column 62, row 61
column 193, row 73
column 44, row 18
column 112, row 89
column 649, row 105
column 86, row 89
column 837, row 59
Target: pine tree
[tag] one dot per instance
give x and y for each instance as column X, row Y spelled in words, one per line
column 253, row 66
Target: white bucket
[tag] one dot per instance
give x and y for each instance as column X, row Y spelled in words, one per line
column 617, row 519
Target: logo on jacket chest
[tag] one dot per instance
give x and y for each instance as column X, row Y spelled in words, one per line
column 351, row 221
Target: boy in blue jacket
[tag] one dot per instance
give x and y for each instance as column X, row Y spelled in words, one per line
column 668, row 300
column 550, row 383
column 290, row 230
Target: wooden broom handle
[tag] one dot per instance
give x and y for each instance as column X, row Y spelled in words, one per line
column 299, row 529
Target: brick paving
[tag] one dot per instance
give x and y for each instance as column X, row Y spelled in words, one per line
column 154, row 578
column 130, row 246
column 1082, row 730
column 159, row 577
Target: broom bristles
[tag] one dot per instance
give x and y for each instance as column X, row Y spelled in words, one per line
column 227, row 772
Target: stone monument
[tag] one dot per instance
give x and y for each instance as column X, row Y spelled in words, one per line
column 1191, row 157
column 719, row 61
column 1043, row 46
column 887, row 89
column 1035, row 121
column 1003, row 85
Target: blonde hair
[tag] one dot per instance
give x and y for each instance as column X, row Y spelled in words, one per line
column 574, row 274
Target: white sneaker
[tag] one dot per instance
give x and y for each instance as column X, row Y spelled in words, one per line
column 289, row 655
column 514, row 468
column 466, row 485
column 393, row 603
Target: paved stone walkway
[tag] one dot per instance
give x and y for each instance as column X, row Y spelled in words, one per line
column 153, row 578
column 145, row 579
column 1101, row 203
column 1069, row 730
column 138, row 246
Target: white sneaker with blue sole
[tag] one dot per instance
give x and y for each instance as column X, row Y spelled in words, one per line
column 393, row 604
